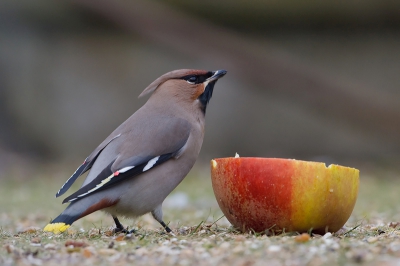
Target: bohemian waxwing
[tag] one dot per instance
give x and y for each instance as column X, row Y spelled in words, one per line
column 135, row 168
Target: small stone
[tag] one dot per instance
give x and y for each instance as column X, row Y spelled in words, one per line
column 302, row 238
column 107, row 251
column 274, row 248
column 372, row 239
column 30, row 230
column 141, row 252
column 72, row 249
column 225, row 245
column 36, row 240
column 34, row 261
column 9, row 248
column 120, row 237
column 88, row 252
column 237, row 249
column 394, row 224
column 75, row 244
column 248, row 242
column 188, row 253
column 240, row 238
column 50, row 246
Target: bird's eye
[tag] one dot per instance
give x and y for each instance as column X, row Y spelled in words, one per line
column 192, row 79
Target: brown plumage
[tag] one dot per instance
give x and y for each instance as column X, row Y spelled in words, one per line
column 135, row 168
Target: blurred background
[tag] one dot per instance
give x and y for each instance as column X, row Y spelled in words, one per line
column 308, row 80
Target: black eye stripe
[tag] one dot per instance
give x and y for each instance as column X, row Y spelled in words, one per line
column 197, row 79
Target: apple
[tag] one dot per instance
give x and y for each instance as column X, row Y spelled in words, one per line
column 284, row 195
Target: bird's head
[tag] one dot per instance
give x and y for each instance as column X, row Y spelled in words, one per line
column 187, row 85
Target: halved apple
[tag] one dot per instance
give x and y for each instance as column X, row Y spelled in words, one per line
column 283, row 194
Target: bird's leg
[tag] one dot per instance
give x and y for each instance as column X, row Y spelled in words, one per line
column 119, row 227
column 165, row 227
column 157, row 214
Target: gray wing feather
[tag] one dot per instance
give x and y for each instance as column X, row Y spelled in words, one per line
column 87, row 164
column 136, row 151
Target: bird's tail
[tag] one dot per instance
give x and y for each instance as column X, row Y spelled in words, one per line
column 60, row 224
column 76, row 211
column 63, row 221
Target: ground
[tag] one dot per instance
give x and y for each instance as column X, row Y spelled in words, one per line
column 202, row 236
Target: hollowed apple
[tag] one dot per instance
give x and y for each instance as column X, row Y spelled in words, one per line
column 284, row 194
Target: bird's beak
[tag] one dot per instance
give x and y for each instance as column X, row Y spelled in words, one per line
column 216, row 75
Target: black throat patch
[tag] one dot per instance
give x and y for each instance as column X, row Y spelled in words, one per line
column 205, row 97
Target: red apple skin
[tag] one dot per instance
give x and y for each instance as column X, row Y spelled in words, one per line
column 283, row 194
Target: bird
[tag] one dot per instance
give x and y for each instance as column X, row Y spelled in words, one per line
column 139, row 164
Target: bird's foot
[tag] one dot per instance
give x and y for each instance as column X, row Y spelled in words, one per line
column 120, row 228
column 123, row 230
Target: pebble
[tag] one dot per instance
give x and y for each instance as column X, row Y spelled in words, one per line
column 302, row 238
column 75, row 243
column 36, row 240
column 107, row 251
column 225, row 245
column 120, row 237
column 240, row 238
column 274, row 248
column 187, row 253
column 72, row 249
column 34, row 261
column 88, row 252
column 372, row 239
column 50, row 246
column 30, row 230
column 142, row 252
column 254, row 245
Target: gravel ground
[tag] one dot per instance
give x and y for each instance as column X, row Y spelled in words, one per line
column 202, row 236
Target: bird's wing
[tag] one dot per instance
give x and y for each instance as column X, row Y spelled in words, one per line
column 155, row 144
column 87, row 164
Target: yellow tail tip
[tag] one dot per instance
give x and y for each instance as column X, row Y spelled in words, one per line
column 56, row 228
